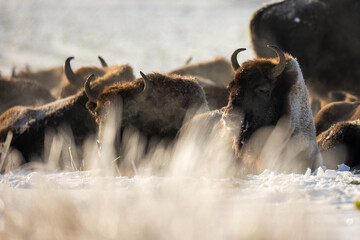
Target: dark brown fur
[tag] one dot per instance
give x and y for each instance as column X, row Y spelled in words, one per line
column 30, row 124
column 338, row 128
column 218, row 70
column 217, row 96
column 161, row 112
column 340, row 144
column 114, row 75
column 336, row 112
column 22, row 92
column 82, row 74
column 323, row 35
column 257, row 100
column 245, row 95
column 111, row 75
column 48, row 78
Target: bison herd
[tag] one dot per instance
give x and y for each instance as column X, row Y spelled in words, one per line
column 269, row 94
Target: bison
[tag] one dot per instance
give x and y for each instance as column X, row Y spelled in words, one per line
column 29, row 125
column 218, row 70
column 336, row 112
column 22, row 92
column 48, row 78
column 340, row 144
column 267, row 93
column 107, row 75
column 156, row 104
column 338, row 133
column 213, row 76
column 217, row 96
column 323, row 35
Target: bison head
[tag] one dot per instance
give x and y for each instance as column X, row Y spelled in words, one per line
column 257, row 95
column 76, row 79
column 129, row 94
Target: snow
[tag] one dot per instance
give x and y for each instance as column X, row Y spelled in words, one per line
column 270, row 205
column 157, row 35
column 343, row 167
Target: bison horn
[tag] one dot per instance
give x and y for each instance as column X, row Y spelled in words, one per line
column 234, row 62
column 279, row 68
column 89, row 93
column 103, row 63
column 70, row 75
column 146, row 83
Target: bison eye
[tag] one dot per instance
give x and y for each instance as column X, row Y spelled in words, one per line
column 263, row 90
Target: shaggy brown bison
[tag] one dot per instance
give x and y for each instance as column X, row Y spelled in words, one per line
column 336, row 112
column 217, row 96
column 340, row 144
column 156, row 104
column 30, row 124
column 48, row 78
column 213, row 76
column 266, row 93
column 218, row 70
column 107, row 75
column 338, row 129
column 22, row 92
column 323, row 35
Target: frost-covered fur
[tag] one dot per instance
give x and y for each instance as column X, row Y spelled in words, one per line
column 157, row 109
column 258, row 103
column 29, row 125
column 300, row 114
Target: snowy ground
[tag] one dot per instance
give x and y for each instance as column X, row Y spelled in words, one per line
column 86, row 205
column 156, row 35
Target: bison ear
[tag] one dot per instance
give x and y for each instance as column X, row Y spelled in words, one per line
column 91, row 106
column 92, row 103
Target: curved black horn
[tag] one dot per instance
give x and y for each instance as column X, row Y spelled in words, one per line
column 279, row 68
column 146, row 83
column 234, row 62
column 69, row 72
column 89, row 93
column 103, row 63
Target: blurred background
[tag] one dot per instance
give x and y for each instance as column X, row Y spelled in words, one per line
column 150, row 35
